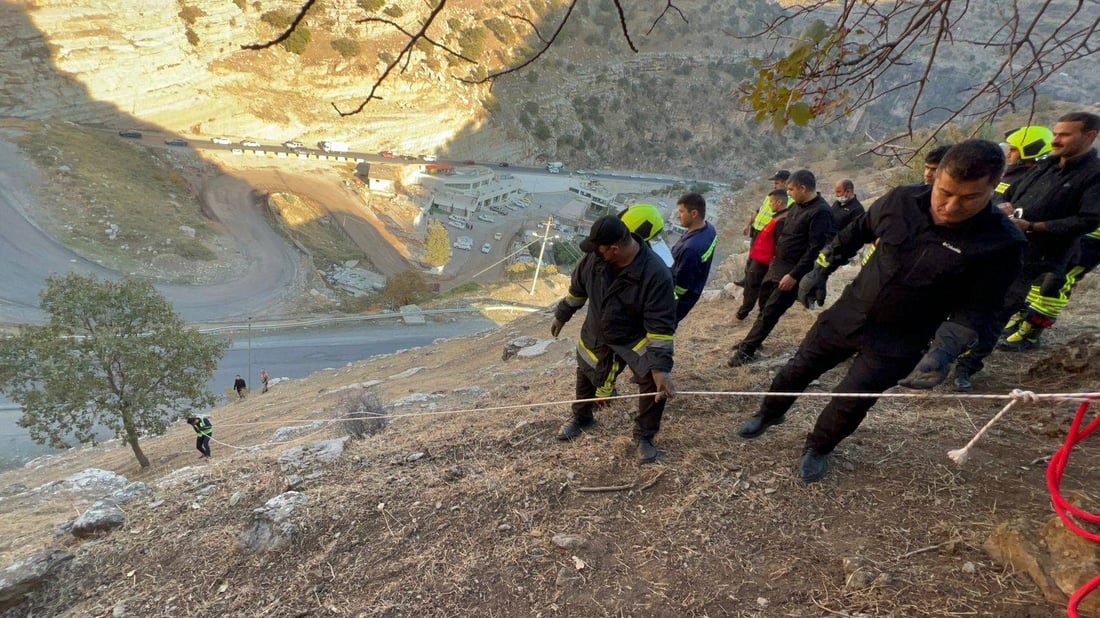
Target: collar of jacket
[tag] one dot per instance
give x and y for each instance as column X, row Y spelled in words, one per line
column 1076, row 161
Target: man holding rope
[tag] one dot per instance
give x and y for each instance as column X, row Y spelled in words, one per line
column 945, row 257
column 631, row 320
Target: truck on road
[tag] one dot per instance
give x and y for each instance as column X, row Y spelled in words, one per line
column 328, row 146
column 554, row 167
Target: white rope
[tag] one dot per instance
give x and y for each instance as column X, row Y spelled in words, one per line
column 960, row 455
column 1038, row 397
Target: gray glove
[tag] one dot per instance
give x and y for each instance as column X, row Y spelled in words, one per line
column 930, row 372
column 812, row 287
column 952, row 339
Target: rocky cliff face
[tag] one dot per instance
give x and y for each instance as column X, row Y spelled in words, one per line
column 180, row 66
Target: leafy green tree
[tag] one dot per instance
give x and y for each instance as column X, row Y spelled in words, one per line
column 438, row 245
column 112, row 354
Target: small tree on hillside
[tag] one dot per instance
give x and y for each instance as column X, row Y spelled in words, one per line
column 112, row 354
column 406, row 288
column 437, row 245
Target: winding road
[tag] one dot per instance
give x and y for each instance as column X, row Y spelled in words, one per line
column 273, row 273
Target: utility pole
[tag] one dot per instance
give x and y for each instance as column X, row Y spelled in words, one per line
column 250, row 349
column 542, row 250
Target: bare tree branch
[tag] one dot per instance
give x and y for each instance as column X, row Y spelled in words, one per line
column 668, row 6
column 289, row 29
column 622, row 24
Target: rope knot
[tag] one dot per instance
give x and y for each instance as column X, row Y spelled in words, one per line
column 1022, row 395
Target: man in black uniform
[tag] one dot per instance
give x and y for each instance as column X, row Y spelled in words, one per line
column 808, row 226
column 847, row 206
column 943, row 251
column 1054, row 204
column 631, row 320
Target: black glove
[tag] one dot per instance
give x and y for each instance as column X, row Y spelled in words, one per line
column 931, row 371
column 812, row 287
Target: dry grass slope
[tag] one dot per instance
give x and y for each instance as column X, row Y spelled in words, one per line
column 718, row 527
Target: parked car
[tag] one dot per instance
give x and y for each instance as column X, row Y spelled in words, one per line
column 469, row 162
column 130, row 133
column 224, row 141
column 176, row 141
column 387, row 154
column 429, row 157
column 250, row 144
column 457, row 224
column 458, row 218
column 462, row 246
column 498, row 236
column 294, row 145
column 485, row 218
column 503, row 164
column 486, row 248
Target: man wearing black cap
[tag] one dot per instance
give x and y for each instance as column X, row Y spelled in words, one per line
column 631, row 321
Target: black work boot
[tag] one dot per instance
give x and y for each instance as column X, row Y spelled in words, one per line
column 962, row 381
column 814, row 465
column 739, row 358
column 757, row 425
column 647, row 453
column 575, row 427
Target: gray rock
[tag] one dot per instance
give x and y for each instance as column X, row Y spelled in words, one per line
column 569, row 541
column 283, row 434
column 128, row 493
column 513, row 347
column 303, row 456
column 25, row 575
column 103, row 516
column 272, row 526
column 566, row 577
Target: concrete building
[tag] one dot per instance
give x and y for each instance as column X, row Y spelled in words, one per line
column 466, row 190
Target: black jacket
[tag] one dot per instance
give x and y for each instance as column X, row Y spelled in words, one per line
column 631, row 313
column 921, row 272
column 845, row 213
column 1012, row 175
column 1066, row 200
column 806, row 230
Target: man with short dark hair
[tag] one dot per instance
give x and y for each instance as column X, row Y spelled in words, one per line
column 631, row 320
column 945, row 256
column 692, row 254
column 932, row 162
column 847, row 206
column 808, row 226
column 1054, row 204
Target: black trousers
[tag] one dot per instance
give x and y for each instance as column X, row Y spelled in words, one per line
column 754, row 278
column 202, row 443
column 648, row 420
column 875, row 369
column 1015, row 300
column 775, row 303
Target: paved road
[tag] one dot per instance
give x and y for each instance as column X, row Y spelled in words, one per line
column 30, row 255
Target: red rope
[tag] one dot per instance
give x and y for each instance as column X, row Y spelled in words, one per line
column 1066, row 511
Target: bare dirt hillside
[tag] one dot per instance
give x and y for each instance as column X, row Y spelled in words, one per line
column 456, row 506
